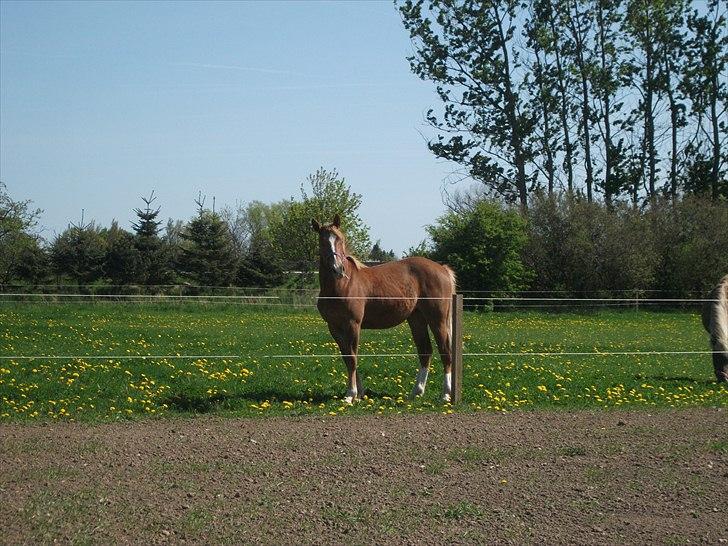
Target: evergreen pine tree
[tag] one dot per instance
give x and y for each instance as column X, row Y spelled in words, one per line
column 208, row 256
column 154, row 254
column 123, row 260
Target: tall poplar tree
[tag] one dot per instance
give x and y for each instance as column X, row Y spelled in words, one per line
column 467, row 49
column 578, row 23
column 706, row 85
column 605, row 84
column 543, row 79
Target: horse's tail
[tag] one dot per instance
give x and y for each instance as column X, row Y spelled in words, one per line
column 453, row 289
column 453, row 279
column 718, row 317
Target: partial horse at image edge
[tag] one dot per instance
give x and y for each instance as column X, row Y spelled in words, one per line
column 715, row 321
column 353, row 296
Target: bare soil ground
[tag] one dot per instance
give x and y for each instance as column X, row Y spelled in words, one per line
column 541, row 477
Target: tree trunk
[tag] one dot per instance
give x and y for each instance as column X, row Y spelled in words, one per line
column 516, row 136
column 716, row 142
column 563, row 113
column 650, row 123
column 673, row 126
column 550, row 175
column 606, row 104
column 585, row 108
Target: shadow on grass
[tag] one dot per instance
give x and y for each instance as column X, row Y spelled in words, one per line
column 675, row 379
column 206, row 403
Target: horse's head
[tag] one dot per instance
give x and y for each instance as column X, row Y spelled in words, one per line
column 332, row 245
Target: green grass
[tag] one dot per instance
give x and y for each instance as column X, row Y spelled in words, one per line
column 254, row 384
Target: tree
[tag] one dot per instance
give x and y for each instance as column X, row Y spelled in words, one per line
column 79, row 253
column 605, row 84
column 542, row 81
column 585, row 248
column 17, row 240
column 33, row 265
column 691, row 238
column 578, row 23
column 671, row 45
column 467, row 50
column 123, row 262
column 207, row 256
column 155, row 258
column 705, row 84
column 324, row 195
column 15, row 216
column 250, row 231
column 646, row 22
column 377, row 254
column 483, row 246
column 548, row 30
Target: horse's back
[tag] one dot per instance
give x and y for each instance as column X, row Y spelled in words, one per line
column 426, row 277
column 394, row 290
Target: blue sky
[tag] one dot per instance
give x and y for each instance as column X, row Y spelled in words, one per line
column 102, row 102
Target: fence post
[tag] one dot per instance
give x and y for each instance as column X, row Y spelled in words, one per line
column 456, row 352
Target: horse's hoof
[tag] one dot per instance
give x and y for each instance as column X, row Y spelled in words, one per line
column 416, row 394
column 445, row 397
column 348, row 400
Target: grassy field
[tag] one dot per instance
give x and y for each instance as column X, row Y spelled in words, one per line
column 251, row 383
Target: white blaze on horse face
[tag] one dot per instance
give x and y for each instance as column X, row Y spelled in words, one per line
column 338, row 266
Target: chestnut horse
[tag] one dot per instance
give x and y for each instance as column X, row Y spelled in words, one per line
column 354, row 296
column 715, row 321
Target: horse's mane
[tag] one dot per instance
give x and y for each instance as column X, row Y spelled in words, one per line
column 358, row 264
column 353, row 259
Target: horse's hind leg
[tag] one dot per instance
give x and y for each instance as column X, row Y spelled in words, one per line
column 720, row 366
column 440, row 326
column 421, row 337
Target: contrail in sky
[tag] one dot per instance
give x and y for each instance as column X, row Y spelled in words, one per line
column 241, row 68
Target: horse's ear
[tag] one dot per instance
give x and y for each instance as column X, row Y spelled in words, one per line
column 337, row 220
column 315, row 225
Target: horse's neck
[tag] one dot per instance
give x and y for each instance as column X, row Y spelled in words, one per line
column 330, row 285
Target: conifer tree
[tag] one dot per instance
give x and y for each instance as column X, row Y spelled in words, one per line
column 208, row 257
column 154, row 255
column 122, row 264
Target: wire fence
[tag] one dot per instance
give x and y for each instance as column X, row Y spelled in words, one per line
column 338, row 355
column 184, row 286
column 309, row 300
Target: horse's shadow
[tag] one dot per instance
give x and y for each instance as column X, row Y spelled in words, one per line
column 206, row 403
column 674, row 379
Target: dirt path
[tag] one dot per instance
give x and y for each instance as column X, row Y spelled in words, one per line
column 615, row 477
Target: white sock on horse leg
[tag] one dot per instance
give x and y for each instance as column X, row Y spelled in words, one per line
column 421, row 382
column 447, row 387
column 350, row 396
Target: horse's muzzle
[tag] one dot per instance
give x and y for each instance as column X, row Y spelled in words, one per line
column 339, row 269
column 336, row 265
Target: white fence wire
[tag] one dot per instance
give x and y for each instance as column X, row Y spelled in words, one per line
column 270, row 300
column 333, row 355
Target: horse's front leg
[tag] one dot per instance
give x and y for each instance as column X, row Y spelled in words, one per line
column 347, row 339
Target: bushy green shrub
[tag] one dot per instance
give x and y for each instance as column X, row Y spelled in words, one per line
column 484, row 246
